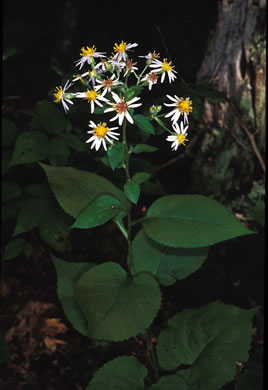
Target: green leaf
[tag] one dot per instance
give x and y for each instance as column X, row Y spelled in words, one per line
column 68, row 273
column 212, row 95
column 258, row 212
column 55, row 227
column 167, row 264
column 9, row 132
column 133, row 91
column 30, row 147
column 169, row 382
column 53, row 120
column 30, row 214
column 101, row 210
column 143, row 123
column 141, row 177
column 132, row 191
column 14, row 248
column 198, row 108
column 124, row 372
column 189, row 221
column 141, row 148
column 10, row 191
column 211, row 339
column 73, row 141
column 76, row 189
column 116, row 306
column 116, row 153
column 58, row 152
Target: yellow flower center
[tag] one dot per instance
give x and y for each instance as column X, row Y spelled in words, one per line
column 59, row 94
column 121, row 47
column 121, row 107
column 101, row 130
column 91, row 95
column 166, row 67
column 89, row 51
column 181, row 139
column 185, row 105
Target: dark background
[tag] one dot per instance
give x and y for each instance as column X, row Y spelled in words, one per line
column 41, row 41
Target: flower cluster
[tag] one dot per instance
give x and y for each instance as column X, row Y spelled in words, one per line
column 105, row 84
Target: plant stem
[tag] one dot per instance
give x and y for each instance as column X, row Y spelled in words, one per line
column 121, row 228
column 130, row 256
column 151, row 354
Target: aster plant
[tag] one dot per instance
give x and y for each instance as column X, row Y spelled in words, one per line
column 114, row 303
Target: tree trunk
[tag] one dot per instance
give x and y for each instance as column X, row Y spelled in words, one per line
column 235, row 64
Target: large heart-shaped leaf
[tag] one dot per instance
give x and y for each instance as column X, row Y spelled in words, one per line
column 211, row 338
column 68, row 273
column 167, row 264
column 117, row 307
column 122, row 373
column 76, row 189
column 30, row 147
column 101, row 210
column 169, row 382
column 189, row 221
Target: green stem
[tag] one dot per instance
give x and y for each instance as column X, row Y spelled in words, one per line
column 121, row 228
column 162, row 124
column 151, row 354
column 126, row 165
column 139, row 77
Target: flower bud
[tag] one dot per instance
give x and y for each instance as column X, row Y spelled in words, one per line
column 154, row 110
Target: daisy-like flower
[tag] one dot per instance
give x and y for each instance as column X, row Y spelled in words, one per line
column 87, row 55
column 183, row 106
column 119, row 65
column 92, row 96
column 120, row 50
column 130, row 67
column 107, row 84
column 151, row 56
column 101, row 134
column 164, row 67
column 92, row 75
column 61, row 96
column 151, row 78
column 102, row 64
column 121, row 107
column 179, row 137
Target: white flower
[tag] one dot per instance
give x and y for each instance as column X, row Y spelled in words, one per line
column 92, row 96
column 164, row 67
column 102, row 64
column 183, row 106
column 130, row 67
column 107, row 84
column 151, row 78
column 117, row 64
column 87, row 55
column 122, row 107
column 61, row 96
column 101, row 134
column 180, row 136
column 151, row 56
column 121, row 50
column 91, row 74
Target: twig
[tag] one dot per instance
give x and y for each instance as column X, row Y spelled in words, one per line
column 250, row 135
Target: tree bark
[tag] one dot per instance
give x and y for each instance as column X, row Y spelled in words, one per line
column 235, row 64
